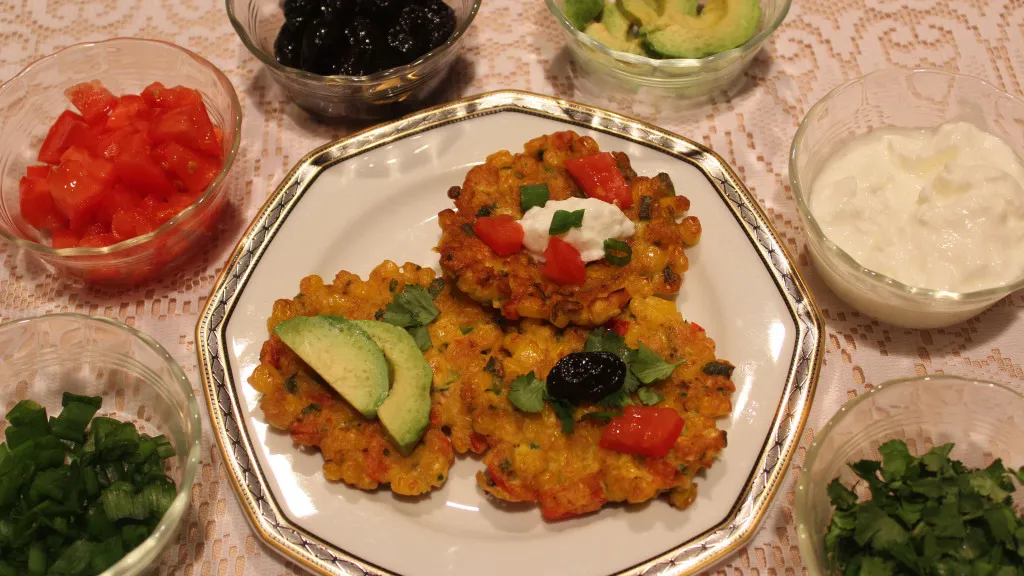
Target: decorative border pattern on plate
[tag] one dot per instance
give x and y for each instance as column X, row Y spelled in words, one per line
column 689, row 557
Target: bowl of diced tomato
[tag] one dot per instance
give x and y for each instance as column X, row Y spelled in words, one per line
column 114, row 157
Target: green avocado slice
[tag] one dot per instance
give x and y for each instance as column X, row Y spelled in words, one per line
column 405, row 413
column 600, row 32
column 343, row 354
column 581, row 12
column 722, row 25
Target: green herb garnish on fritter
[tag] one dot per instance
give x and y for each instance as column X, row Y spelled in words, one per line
column 77, row 493
column 929, row 515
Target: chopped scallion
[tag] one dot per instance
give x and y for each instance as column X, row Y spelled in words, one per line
column 531, row 195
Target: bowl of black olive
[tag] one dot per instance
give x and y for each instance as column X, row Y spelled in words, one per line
column 355, row 58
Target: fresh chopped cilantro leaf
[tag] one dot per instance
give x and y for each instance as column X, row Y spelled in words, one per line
column 649, row 397
column 565, row 412
column 465, row 329
column 412, row 307
column 927, row 515
column 937, row 459
column 877, row 527
column 618, row 399
column 867, row 469
column 875, row 566
column 602, row 340
column 564, row 220
column 648, row 366
column 841, row 497
column 421, row 336
column 602, row 416
column 311, row 408
column 631, row 383
column 290, row 384
column 896, row 459
column 527, row 393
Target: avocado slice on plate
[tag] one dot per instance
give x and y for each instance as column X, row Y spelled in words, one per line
column 343, row 354
column 406, row 412
column 722, row 25
column 581, row 12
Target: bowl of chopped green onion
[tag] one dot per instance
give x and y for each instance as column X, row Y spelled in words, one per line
column 99, row 447
column 916, row 476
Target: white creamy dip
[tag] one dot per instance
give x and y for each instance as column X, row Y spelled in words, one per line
column 940, row 208
column 601, row 221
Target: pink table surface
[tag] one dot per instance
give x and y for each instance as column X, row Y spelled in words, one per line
column 515, row 44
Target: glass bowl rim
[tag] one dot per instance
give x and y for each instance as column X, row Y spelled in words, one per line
column 234, row 116
column 669, row 63
column 338, row 79
column 834, row 252
column 802, row 494
column 168, row 523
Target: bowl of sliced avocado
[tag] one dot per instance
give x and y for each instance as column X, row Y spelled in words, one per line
column 687, row 48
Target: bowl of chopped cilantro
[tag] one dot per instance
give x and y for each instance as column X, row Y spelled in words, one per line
column 916, row 476
column 99, row 446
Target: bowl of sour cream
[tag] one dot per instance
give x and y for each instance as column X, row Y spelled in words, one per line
column 910, row 184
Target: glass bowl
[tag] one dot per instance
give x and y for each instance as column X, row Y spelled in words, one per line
column 903, row 99
column 695, row 79
column 982, row 419
column 35, row 97
column 384, row 94
column 42, row 357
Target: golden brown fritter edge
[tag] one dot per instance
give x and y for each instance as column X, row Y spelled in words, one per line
column 514, row 285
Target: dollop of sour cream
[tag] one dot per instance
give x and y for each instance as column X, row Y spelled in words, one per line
column 601, row 221
column 940, row 208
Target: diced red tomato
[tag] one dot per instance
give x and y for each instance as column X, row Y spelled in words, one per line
column 160, row 96
column 65, row 129
column 136, row 167
column 78, row 186
column 189, row 126
column 600, row 177
column 130, row 223
column 64, row 238
column 123, row 167
column 37, row 206
column 563, row 263
column 697, row 327
column 98, row 240
column 129, row 108
column 643, row 430
column 119, row 198
column 501, row 233
column 108, row 144
column 38, row 171
column 620, row 327
column 194, row 170
column 92, row 100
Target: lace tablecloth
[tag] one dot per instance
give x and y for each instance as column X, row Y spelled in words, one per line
column 515, row 44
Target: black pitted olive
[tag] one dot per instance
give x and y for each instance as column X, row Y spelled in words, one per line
column 299, row 10
column 442, row 21
column 288, row 46
column 360, row 37
column 586, row 376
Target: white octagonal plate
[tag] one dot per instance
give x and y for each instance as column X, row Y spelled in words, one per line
column 375, row 196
